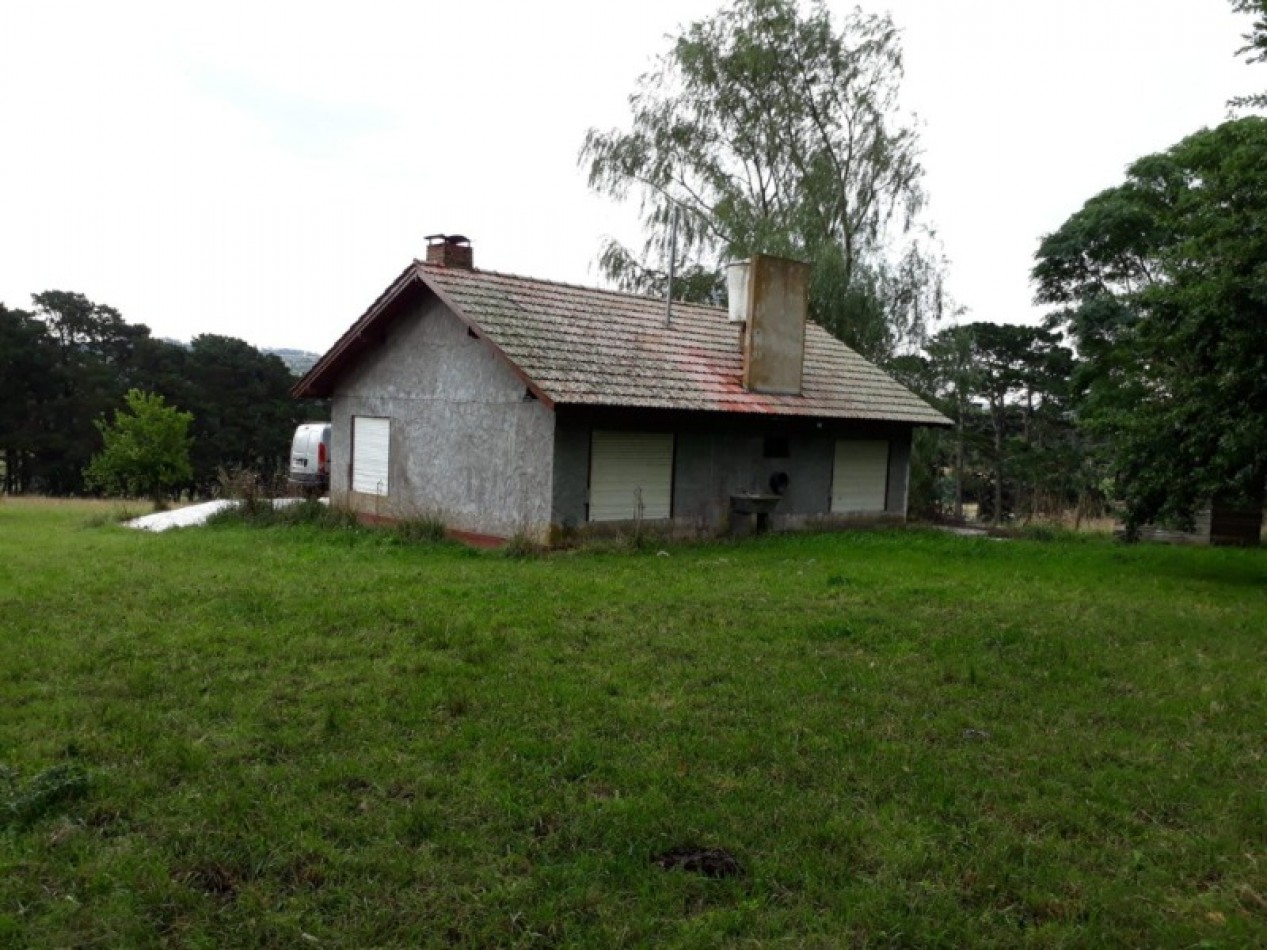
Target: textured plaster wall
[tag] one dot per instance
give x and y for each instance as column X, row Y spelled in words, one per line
column 714, row 459
column 465, row 443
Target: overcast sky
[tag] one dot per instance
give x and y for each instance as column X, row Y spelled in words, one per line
column 265, row 169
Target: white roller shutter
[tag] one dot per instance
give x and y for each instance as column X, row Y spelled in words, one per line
column 861, row 476
column 371, row 439
column 629, row 469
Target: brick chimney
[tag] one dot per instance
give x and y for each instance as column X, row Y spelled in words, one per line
column 450, row 250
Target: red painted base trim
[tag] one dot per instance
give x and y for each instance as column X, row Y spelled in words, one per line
column 476, row 540
column 470, row 538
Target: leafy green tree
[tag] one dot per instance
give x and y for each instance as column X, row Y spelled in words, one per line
column 1162, row 284
column 145, row 451
column 774, row 131
column 1255, row 48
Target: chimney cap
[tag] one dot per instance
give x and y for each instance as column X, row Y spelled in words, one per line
column 448, row 239
column 450, row 250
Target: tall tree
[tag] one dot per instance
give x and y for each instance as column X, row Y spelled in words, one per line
column 27, row 384
column 1014, row 448
column 1255, row 48
column 93, row 349
column 956, row 376
column 245, row 415
column 1000, row 354
column 774, row 131
column 1162, row 283
column 1022, row 373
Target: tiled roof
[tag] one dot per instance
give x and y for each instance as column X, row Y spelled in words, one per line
column 583, row 346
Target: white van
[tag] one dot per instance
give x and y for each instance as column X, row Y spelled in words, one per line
column 310, row 459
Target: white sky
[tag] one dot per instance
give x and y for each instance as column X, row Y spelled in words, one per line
column 263, row 170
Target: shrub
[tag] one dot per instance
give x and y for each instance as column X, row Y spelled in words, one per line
column 421, row 528
column 521, row 545
column 246, row 487
column 145, row 451
column 116, row 515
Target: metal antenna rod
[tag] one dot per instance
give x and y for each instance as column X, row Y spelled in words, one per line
column 668, row 297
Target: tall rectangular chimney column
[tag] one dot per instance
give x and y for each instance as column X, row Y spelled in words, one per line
column 774, row 335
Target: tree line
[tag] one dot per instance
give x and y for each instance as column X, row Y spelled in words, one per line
column 774, row 127
column 68, row 363
column 1016, row 450
column 1147, row 383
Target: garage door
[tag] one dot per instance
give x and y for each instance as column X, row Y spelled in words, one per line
column 631, row 475
column 370, row 443
column 861, row 476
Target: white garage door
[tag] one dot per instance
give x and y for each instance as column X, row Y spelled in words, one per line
column 861, row 476
column 631, row 475
column 371, row 438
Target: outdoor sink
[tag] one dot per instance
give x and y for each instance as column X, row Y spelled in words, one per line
column 753, row 503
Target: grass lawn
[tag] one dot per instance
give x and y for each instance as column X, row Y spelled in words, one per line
column 296, row 736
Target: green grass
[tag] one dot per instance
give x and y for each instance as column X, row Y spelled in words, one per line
column 306, row 735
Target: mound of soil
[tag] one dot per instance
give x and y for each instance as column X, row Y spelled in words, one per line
column 711, row 862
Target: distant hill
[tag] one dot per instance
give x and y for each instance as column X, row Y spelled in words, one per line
column 297, row 361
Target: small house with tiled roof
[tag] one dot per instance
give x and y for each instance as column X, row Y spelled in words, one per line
column 512, row 406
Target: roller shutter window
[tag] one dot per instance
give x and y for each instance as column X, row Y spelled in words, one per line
column 860, row 478
column 631, row 476
column 371, row 440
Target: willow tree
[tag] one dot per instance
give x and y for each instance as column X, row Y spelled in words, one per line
column 774, row 130
column 1255, row 48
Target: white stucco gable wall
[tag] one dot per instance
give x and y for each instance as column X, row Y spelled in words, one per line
column 467, row 444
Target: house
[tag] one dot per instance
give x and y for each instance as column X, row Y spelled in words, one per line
column 512, row 406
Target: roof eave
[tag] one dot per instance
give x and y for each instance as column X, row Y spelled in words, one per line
column 319, row 381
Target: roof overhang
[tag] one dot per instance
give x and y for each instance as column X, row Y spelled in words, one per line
column 420, row 283
column 371, row 330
